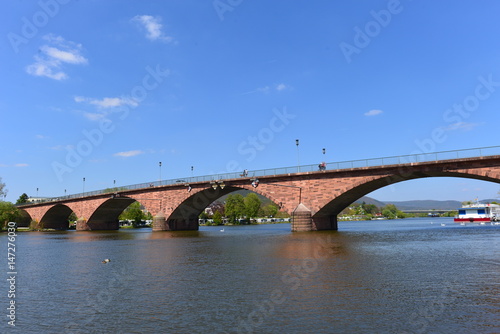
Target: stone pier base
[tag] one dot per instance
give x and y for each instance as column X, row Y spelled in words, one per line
column 81, row 225
column 160, row 222
column 301, row 219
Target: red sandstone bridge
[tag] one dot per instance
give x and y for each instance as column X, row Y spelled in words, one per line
column 312, row 197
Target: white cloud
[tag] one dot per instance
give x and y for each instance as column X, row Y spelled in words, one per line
column 153, row 27
column 268, row 89
column 72, row 57
column 128, row 154
column 464, row 126
column 51, row 58
column 373, row 112
column 104, row 106
column 108, row 102
column 94, row 116
column 281, row 87
column 21, row 165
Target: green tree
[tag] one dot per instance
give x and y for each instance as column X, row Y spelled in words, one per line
column 390, row 211
column 8, row 213
column 235, row 207
column 203, row 215
column 22, row 199
column 217, row 218
column 370, row 209
column 269, row 210
column 252, row 205
column 133, row 212
column 3, row 191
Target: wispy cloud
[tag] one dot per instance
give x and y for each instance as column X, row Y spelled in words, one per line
column 128, row 154
column 153, row 27
column 108, row 102
column 21, row 165
column 104, row 106
column 269, row 89
column 464, row 126
column 53, row 55
column 373, row 112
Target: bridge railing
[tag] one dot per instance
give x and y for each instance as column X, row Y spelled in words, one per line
column 375, row 162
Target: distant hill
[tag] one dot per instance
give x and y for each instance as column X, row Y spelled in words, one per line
column 426, row 205
column 401, row 205
column 369, row 200
column 414, row 205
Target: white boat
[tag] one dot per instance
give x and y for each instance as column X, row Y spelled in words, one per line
column 478, row 213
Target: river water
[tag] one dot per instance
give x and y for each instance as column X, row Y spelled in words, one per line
column 399, row 276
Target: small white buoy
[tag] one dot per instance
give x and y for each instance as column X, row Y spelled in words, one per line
column 222, row 230
column 106, row 260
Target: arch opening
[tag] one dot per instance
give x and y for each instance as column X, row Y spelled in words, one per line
column 106, row 216
column 56, row 218
column 442, row 181
column 228, row 205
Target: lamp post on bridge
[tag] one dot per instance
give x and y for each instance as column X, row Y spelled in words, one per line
column 160, row 171
column 298, row 155
column 83, row 186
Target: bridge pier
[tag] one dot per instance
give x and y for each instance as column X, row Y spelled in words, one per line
column 160, row 222
column 81, row 225
column 301, row 219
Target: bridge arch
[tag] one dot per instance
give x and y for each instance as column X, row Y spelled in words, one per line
column 185, row 214
column 105, row 216
column 354, row 191
column 56, row 217
column 24, row 220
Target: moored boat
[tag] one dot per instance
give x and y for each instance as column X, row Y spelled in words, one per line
column 478, row 213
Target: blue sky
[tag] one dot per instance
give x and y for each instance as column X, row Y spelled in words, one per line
column 107, row 89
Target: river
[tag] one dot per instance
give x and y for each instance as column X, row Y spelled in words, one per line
column 394, row 276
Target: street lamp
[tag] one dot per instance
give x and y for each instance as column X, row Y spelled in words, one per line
column 83, row 185
column 192, row 168
column 324, row 151
column 298, row 156
column 160, row 172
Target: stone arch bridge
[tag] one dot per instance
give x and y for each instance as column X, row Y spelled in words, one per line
column 313, row 198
